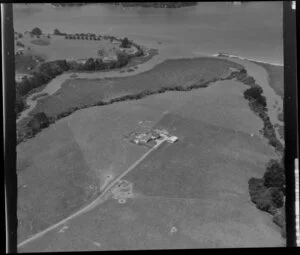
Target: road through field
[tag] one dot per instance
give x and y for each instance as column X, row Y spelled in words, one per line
column 96, row 201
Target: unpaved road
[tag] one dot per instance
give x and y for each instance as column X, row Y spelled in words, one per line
column 94, row 203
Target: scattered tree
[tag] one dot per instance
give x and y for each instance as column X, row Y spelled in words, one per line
column 36, row 31
column 275, row 176
column 38, row 121
column 57, row 32
column 125, row 43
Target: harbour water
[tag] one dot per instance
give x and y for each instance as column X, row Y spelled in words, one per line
column 195, row 31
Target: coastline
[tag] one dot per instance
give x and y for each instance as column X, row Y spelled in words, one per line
column 117, row 73
column 30, row 104
column 28, row 133
column 249, row 59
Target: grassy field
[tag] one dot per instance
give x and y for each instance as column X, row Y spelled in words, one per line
column 198, row 185
column 53, row 179
column 23, row 62
column 57, row 47
column 66, row 164
column 276, row 77
column 81, row 92
column 41, row 42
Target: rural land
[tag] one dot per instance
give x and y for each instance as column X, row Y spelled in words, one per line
column 124, row 145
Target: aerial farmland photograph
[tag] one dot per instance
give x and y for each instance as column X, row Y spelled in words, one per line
column 149, row 125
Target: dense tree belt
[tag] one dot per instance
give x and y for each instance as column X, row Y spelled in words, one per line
column 268, row 192
column 27, row 131
column 257, row 103
column 46, row 71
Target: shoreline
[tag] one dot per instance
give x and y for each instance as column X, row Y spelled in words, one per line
column 135, row 72
column 28, row 134
column 135, row 61
column 249, row 59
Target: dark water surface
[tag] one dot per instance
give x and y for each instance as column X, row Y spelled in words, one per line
column 252, row 30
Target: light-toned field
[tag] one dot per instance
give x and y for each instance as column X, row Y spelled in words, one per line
column 198, row 185
column 57, row 47
column 82, row 92
column 63, row 172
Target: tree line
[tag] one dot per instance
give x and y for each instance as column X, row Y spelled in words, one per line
column 267, row 192
column 46, row 71
column 40, row 121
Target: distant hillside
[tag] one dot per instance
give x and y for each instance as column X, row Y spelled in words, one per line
column 142, row 4
column 67, row 4
column 157, row 4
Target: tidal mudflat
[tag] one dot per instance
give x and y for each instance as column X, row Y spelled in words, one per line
column 171, row 73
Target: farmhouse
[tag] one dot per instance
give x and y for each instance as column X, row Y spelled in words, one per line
column 108, row 59
column 155, row 135
column 81, row 61
column 19, row 77
column 173, row 139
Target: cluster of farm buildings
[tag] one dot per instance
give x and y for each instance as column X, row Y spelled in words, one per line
column 83, row 36
column 156, row 135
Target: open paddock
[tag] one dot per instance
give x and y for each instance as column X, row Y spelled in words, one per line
column 67, row 164
column 58, row 47
column 41, row 42
column 208, row 168
column 208, row 161
column 56, row 177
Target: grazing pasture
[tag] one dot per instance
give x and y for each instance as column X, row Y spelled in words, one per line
column 197, row 186
column 146, row 222
column 57, row 47
column 53, row 178
column 207, row 161
column 68, row 163
column 41, row 42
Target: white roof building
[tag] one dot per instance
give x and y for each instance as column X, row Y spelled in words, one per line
column 173, row 139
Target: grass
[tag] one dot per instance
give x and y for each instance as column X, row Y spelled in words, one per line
column 40, row 42
column 62, row 150
column 145, row 223
column 81, row 92
column 192, row 185
column 276, row 77
column 23, row 62
column 57, row 179
column 39, row 96
column 187, row 169
column 215, row 159
column 57, row 47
